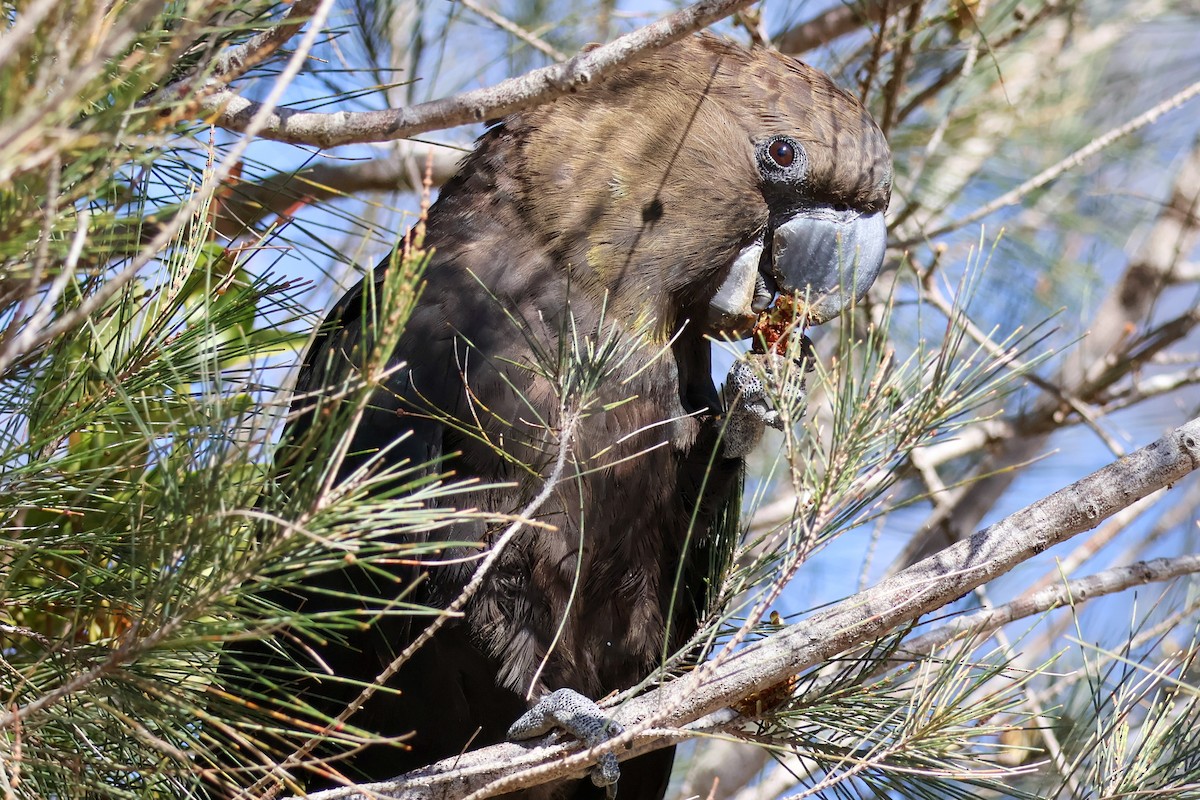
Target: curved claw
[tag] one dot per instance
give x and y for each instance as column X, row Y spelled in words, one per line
column 577, row 715
column 751, row 406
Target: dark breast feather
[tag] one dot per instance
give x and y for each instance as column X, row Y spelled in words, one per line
column 656, row 508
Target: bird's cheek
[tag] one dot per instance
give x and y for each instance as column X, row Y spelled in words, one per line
column 827, row 257
column 744, row 293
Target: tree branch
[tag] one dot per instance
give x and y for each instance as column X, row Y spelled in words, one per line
column 28, row 340
column 1068, row 593
column 702, row 700
column 237, row 60
column 1014, row 196
column 258, row 48
column 1101, row 358
column 1140, row 389
column 230, row 110
column 245, row 204
column 837, row 22
column 513, row 29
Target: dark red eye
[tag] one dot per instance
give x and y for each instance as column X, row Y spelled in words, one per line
column 782, row 152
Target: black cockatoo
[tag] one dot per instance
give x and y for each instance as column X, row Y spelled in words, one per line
column 668, row 202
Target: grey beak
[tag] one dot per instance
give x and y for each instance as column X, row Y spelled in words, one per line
column 828, row 257
column 742, row 295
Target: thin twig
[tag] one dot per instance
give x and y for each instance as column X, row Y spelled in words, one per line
column 236, row 60
column 93, row 303
column 1043, row 724
column 566, row 435
column 1047, row 175
column 28, row 633
column 1072, row 592
column 1140, row 389
column 508, row 26
column 900, row 67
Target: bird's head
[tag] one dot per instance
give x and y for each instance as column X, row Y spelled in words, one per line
column 701, row 180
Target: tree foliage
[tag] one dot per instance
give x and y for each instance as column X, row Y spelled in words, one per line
column 163, row 262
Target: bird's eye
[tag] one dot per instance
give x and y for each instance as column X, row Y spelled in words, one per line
column 782, row 161
column 782, row 152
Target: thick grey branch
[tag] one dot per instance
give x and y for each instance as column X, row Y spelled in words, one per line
column 864, row 617
column 539, row 86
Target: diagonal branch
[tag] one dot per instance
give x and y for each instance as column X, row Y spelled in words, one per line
column 513, row 29
column 702, row 700
column 1077, row 590
column 260, row 47
column 232, row 111
column 1057, row 170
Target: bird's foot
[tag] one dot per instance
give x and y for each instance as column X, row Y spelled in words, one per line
column 752, row 407
column 577, row 715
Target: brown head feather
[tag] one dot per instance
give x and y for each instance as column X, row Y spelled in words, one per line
column 646, row 184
